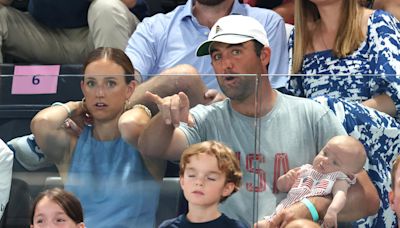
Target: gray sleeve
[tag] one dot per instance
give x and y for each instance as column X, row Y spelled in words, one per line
column 193, row 134
column 328, row 126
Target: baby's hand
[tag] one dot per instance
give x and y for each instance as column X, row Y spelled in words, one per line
column 292, row 175
column 330, row 219
column 286, row 181
column 263, row 224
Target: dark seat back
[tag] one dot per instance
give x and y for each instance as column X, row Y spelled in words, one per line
column 16, row 112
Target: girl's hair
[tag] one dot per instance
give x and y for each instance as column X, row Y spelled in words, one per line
column 66, row 200
column 116, row 55
column 227, row 162
column 347, row 40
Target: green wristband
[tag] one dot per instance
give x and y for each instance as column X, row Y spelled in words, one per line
column 311, row 208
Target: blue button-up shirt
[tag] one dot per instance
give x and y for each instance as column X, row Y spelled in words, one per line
column 166, row 40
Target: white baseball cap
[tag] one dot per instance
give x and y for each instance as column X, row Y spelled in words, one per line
column 234, row 29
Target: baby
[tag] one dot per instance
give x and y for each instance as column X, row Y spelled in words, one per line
column 333, row 171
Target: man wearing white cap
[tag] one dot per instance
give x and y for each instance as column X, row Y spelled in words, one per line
column 166, row 40
column 290, row 129
column 164, row 43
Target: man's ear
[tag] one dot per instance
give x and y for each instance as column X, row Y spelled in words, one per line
column 228, row 189
column 265, row 55
column 81, row 225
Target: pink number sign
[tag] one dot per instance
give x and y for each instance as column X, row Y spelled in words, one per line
column 35, row 79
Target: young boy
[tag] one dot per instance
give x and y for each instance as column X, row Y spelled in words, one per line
column 209, row 174
column 394, row 195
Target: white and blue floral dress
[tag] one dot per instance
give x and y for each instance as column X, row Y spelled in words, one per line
column 345, row 82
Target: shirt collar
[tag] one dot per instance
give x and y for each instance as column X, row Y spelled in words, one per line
column 187, row 9
column 238, row 8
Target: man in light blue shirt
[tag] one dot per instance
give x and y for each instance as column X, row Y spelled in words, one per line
column 166, row 40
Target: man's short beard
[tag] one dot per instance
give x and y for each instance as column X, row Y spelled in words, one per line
column 210, row 2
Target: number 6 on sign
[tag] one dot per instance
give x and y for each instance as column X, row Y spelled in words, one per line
column 35, row 79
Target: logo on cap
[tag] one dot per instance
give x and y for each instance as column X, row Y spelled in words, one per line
column 217, row 29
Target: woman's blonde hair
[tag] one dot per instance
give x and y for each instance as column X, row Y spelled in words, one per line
column 347, row 40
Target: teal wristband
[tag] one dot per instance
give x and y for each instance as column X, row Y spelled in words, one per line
column 311, row 208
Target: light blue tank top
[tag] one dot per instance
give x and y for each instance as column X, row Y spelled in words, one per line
column 112, row 183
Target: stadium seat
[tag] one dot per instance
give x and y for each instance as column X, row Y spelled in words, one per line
column 168, row 206
column 16, row 112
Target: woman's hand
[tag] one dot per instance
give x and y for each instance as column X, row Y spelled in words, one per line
column 79, row 118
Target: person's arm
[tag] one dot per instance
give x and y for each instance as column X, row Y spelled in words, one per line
column 50, row 133
column 132, row 122
column 286, row 181
column 181, row 78
column 295, row 211
column 162, row 138
column 6, row 163
column 386, row 80
column 362, row 201
column 339, row 192
column 382, row 103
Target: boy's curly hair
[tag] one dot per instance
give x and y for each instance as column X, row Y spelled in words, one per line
column 227, row 162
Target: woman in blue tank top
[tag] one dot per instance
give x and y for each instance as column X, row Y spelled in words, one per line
column 102, row 166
